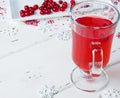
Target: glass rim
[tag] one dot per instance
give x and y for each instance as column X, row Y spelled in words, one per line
column 95, row 27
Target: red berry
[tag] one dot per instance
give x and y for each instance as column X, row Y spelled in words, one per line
column 35, row 7
column 60, row 1
column 26, row 7
column 46, row 0
column 64, row 5
column 55, row 8
column 31, row 8
column 47, row 11
column 41, row 8
column 49, row 6
column 31, row 12
column 42, row 12
column 22, row 15
column 46, row 8
column 62, row 9
column 44, row 4
column 50, row 1
column 72, row 3
column 22, row 11
column 53, row 4
column 26, row 10
column 27, row 14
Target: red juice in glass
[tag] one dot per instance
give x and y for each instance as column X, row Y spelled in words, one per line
column 93, row 25
column 84, row 39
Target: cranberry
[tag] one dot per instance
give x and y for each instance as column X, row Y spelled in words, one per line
column 41, row 8
column 31, row 12
column 26, row 11
column 50, row 1
column 35, row 7
column 42, row 12
column 72, row 3
column 31, row 8
column 60, row 1
column 53, row 4
column 22, row 13
column 64, row 4
column 26, row 7
column 44, row 4
column 46, row 0
column 55, row 8
column 62, row 9
column 27, row 14
column 47, row 11
column 47, row 7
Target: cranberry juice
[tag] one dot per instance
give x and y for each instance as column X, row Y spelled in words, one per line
column 88, row 30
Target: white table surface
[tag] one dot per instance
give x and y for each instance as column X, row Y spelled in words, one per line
column 35, row 60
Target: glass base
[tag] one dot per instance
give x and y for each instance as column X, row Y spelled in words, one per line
column 88, row 83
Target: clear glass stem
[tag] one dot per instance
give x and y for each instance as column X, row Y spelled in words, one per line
column 113, row 62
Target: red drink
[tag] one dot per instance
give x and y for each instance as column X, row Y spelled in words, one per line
column 91, row 29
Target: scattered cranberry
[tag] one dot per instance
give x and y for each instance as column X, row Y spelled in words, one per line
column 53, row 3
column 45, row 0
column 50, row 1
column 27, row 14
column 22, row 13
column 62, row 9
column 55, row 8
column 60, row 1
column 47, row 7
column 35, row 7
column 64, row 4
column 41, row 8
column 72, row 2
column 27, row 11
column 26, row 7
column 31, row 12
column 47, row 11
column 42, row 12
column 31, row 8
